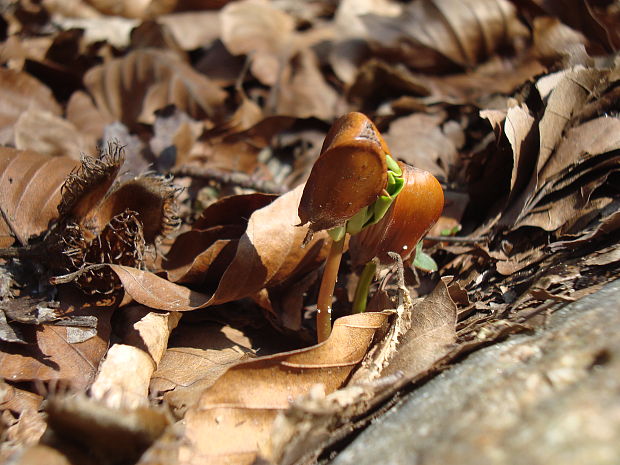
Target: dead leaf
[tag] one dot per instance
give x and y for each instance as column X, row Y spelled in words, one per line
column 304, row 93
column 419, row 141
column 132, row 88
column 123, row 377
column 19, row 92
column 247, row 397
column 129, row 9
column 30, row 191
column 50, row 355
column 197, row 355
column 48, row 134
column 258, row 29
column 259, row 262
column 435, row 34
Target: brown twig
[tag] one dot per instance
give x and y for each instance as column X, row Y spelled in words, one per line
column 28, row 251
column 234, row 178
column 457, row 240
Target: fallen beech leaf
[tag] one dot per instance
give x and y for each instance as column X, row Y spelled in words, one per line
column 50, row 356
column 419, row 141
column 132, row 88
column 48, row 134
column 23, row 423
column 130, row 9
column 256, row 28
column 19, row 92
column 432, row 34
column 30, row 191
column 197, row 355
column 259, row 262
column 244, row 401
column 193, row 253
column 303, row 91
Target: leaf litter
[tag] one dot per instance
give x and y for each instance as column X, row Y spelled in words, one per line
column 181, row 320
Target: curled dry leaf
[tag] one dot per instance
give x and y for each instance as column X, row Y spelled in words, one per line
column 197, row 355
column 244, row 401
column 421, row 335
column 132, row 88
column 123, row 377
column 419, row 141
column 268, row 253
column 30, row 191
column 432, row 34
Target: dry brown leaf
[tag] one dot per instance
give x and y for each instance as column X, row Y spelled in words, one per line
column 22, row 422
column 421, row 335
column 131, row 9
column 303, row 91
column 554, row 40
column 258, row 29
column 132, row 88
column 50, row 355
column 84, row 115
column 244, row 401
column 197, row 355
column 267, row 254
column 193, row 252
column 594, row 137
column 419, row 141
column 48, row 134
column 30, row 191
column 432, row 34
column 19, row 92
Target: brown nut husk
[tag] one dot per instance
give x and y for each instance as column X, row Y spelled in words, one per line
column 349, row 174
column 414, row 211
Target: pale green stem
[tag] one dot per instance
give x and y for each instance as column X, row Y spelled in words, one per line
column 363, row 286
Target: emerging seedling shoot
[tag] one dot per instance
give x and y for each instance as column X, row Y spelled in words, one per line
column 352, row 189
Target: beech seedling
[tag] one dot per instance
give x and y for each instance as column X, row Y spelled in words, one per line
column 353, row 188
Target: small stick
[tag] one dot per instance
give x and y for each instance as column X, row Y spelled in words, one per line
column 234, row 178
column 326, row 291
column 456, row 239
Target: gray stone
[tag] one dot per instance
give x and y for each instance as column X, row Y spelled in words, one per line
column 552, row 397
